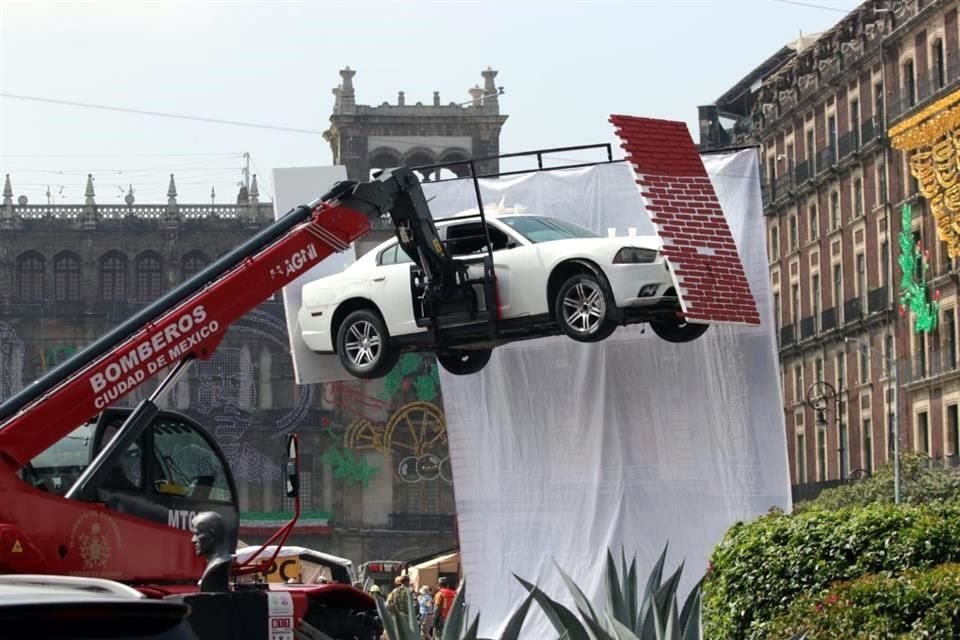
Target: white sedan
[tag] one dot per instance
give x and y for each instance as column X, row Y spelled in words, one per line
column 551, row 277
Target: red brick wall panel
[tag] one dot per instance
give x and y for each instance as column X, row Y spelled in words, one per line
column 686, row 213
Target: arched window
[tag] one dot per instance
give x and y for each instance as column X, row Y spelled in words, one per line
column 66, row 277
column 149, row 276
column 30, row 271
column 193, row 263
column 939, row 65
column 113, row 277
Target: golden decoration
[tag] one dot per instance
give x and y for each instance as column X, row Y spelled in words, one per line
column 932, row 137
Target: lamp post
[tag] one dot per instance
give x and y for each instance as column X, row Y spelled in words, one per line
column 820, row 395
column 890, row 366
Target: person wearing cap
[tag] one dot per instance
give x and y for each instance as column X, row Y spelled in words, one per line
column 375, row 591
column 400, row 600
column 442, row 604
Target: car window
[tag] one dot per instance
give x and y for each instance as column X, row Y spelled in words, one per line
column 56, row 469
column 541, row 229
column 468, row 239
column 393, row 255
column 190, row 467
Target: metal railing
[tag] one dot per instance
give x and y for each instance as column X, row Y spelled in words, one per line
column 870, row 129
column 828, row 319
column 801, row 172
column 929, row 364
column 826, row 158
column 849, row 142
column 786, row 336
column 852, row 310
column 422, row 521
column 807, row 328
column 878, row 300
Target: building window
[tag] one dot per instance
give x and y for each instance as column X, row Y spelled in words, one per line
column 193, row 263
column 867, row 445
column 881, row 183
column 855, row 122
column 838, row 286
column 835, row 210
column 149, row 273
column 811, row 151
column 864, row 364
column 66, row 277
column 801, row 459
column 909, row 83
column 794, row 236
column 862, row 280
column 774, row 243
column 30, row 275
column 796, row 303
column 113, row 277
column 857, row 198
column 884, row 263
column 798, row 383
column 814, row 222
column 844, row 450
column 949, row 339
column 840, row 365
column 815, row 296
column 777, row 310
column 923, row 432
column 953, row 432
column 832, row 135
column 818, row 369
column 878, row 101
column 939, row 68
column 821, row 453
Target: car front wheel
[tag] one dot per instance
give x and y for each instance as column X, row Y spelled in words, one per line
column 363, row 345
column 581, row 309
column 678, row 329
column 463, row 362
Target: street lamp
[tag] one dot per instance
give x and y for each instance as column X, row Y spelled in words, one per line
column 890, row 366
column 820, row 395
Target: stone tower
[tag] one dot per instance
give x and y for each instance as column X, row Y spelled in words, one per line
column 365, row 138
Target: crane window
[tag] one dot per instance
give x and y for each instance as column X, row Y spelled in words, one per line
column 189, row 467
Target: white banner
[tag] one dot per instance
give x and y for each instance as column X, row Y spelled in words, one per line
column 561, row 450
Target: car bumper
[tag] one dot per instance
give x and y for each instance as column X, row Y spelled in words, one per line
column 640, row 285
column 314, row 324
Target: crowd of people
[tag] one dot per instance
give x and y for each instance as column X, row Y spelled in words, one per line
column 431, row 605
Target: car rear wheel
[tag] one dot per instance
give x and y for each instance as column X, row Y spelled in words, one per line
column 581, row 308
column 677, row 329
column 463, row 362
column 363, row 345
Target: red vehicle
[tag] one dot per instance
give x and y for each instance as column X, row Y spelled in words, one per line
column 90, row 490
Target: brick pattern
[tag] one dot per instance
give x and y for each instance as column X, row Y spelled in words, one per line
column 686, row 213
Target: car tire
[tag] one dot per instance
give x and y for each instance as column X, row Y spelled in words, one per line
column 363, row 345
column 464, row 362
column 678, row 330
column 582, row 309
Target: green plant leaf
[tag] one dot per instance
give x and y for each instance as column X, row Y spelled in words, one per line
column 644, row 621
column 691, row 612
column 620, row 631
column 471, row 633
column 562, row 618
column 453, row 626
column 515, row 623
column 615, row 604
column 666, row 596
column 630, row 592
column 386, row 618
column 583, row 605
column 672, row 631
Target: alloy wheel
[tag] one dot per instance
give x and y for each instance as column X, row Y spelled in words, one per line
column 363, row 344
column 584, row 307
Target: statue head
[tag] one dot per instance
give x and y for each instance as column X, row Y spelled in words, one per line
column 209, row 533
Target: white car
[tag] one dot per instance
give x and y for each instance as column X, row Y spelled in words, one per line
column 551, row 277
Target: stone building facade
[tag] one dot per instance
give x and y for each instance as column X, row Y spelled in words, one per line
column 838, row 197
column 377, row 481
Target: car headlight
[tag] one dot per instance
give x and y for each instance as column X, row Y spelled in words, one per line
column 634, row 255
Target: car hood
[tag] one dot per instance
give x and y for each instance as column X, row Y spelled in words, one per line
column 604, row 245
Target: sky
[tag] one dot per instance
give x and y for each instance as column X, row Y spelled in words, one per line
column 565, row 66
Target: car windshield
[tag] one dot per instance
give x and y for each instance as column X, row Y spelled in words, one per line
column 539, row 229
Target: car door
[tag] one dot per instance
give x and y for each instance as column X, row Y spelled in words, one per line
column 390, row 290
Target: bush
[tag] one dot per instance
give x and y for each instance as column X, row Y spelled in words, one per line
column 760, row 568
column 916, row 604
column 921, row 480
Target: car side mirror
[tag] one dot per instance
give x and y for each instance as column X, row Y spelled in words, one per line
column 292, row 468
column 512, row 245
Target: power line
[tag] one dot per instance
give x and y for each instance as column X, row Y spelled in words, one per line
column 813, row 6
column 179, row 116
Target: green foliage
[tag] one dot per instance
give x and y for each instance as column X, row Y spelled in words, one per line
column 915, row 604
column 760, row 568
column 913, row 283
column 630, row 614
column 921, row 480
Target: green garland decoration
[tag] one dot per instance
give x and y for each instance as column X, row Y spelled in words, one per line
column 348, row 466
column 913, row 285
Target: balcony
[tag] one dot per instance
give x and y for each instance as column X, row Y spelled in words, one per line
column 849, row 142
column 852, row 310
column 870, row 130
column 828, row 319
column 782, row 186
column 786, row 336
column 825, row 159
column 928, row 365
column 807, row 328
column 802, row 172
column 877, row 300
column 422, row 521
column 766, row 193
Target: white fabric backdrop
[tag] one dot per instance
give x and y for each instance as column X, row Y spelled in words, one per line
column 561, row 449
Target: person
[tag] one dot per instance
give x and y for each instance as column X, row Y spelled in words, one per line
column 210, row 541
column 425, row 602
column 442, row 603
column 375, row 591
column 400, row 600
